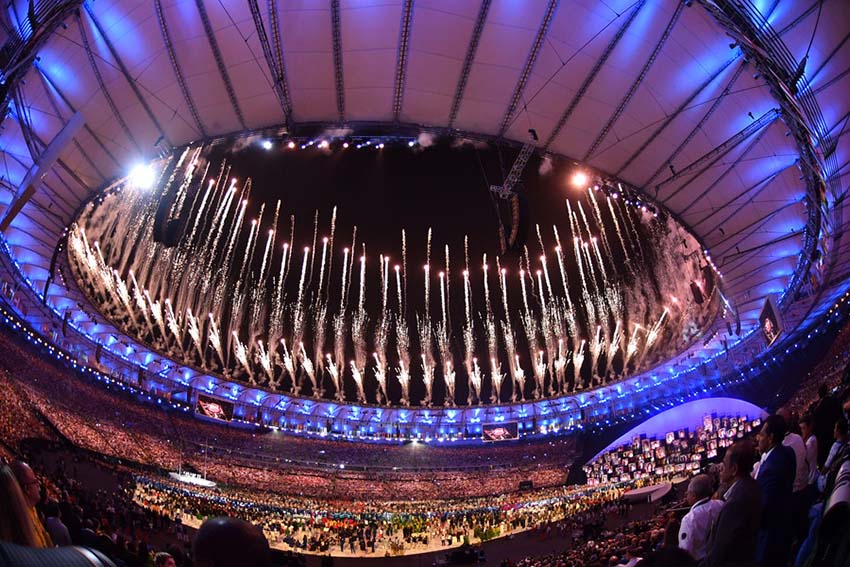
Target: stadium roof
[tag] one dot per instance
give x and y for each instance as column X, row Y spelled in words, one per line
column 733, row 114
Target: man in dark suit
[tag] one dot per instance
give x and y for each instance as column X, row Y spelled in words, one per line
column 775, row 478
column 733, row 540
column 826, row 411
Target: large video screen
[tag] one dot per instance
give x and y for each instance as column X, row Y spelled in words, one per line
column 500, row 431
column 214, row 408
column 771, row 322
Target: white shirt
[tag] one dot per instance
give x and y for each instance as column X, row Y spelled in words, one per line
column 757, row 467
column 697, row 525
column 801, row 476
column 812, row 458
column 833, row 451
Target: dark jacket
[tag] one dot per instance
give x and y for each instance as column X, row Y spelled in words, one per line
column 776, row 482
column 733, row 541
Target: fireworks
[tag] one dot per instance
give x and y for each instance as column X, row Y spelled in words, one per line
column 221, row 268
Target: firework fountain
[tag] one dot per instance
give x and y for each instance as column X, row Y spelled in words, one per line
column 268, row 305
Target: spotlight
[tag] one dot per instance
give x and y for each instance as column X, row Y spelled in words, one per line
column 291, row 145
column 345, row 144
column 142, row 176
column 266, row 144
column 579, row 180
column 411, row 143
column 323, row 144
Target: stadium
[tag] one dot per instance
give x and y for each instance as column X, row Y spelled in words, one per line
column 356, row 282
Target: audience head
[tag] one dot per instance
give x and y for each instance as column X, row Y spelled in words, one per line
column 700, row 487
column 222, row 542
column 807, row 426
column 772, row 433
column 163, row 559
column 28, row 482
column 823, row 390
column 738, row 462
column 15, row 522
column 51, row 509
column 841, row 430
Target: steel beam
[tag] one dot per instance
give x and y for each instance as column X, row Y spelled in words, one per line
column 124, row 71
column 219, row 61
column 339, row 79
column 637, row 82
column 681, row 108
column 280, row 63
column 29, row 184
column 519, row 88
column 468, row 60
column 175, row 66
column 401, row 60
column 585, row 85
column 102, row 85
column 279, row 82
column 726, row 90
column 71, row 107
column 77, row 144
column 722, row 176
column 705, row 161
column 761, row 185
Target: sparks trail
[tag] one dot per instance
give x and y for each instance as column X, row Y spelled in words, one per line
column 230, row 306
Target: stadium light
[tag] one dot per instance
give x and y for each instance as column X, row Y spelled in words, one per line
column 579, row 180
column 142, row 176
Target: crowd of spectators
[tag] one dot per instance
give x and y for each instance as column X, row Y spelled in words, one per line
column 67, row 508
column 18, row 420
column 595, row 545
column 679, row 454
column 113, row 423
column 763, row 506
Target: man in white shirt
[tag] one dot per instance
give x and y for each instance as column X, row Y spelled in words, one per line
column 808, row 430
column 801, row 474
column 699, row 521
column 793, row 440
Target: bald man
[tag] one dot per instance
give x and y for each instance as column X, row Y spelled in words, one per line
column 226, row 542
column 699, row 521
column 31, row 488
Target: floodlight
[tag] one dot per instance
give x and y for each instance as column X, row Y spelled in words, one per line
column 579, row 180
column 142, row 176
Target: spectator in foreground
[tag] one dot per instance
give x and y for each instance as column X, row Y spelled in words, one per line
column 826, row 411
column 775, row 479
column 31, row 488
column 226, row 542
column 799, row 499
column 810, row 439
column 58, row 531
column 699, row 521
column 838, row 453
column 15, row 522
column 163, row 559
column 733, row 541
